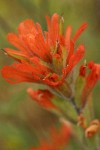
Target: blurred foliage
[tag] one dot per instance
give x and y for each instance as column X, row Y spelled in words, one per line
column 20, row 117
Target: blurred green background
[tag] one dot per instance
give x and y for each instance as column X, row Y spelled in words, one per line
column 21, row 120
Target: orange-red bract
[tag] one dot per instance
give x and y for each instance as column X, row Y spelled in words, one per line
column 90, row 79
column 42, row 97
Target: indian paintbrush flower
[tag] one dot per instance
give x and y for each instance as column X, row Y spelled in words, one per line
column 50, row 58
column 47, row 57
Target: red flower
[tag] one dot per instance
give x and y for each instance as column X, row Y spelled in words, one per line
column 43, row 98
column 57, row 140
column 91, row 80
column 43, row 58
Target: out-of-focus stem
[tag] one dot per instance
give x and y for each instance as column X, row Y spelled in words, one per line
column 74, row 136
column 97, row 142
column 79, row 142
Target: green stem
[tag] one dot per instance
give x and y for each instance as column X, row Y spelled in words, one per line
column 70, row 100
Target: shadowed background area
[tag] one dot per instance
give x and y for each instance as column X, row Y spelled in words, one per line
column 21, row 119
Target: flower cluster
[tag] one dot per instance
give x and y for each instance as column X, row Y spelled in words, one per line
column 47, row 57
